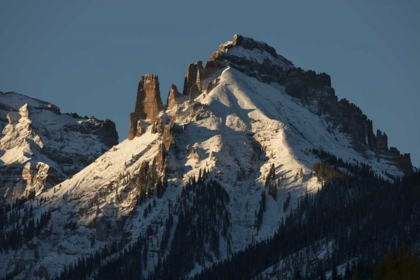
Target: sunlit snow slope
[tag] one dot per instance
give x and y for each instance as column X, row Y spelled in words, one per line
column 237, row 130
column 40, row 146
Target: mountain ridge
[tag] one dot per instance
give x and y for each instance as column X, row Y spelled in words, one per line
column 242, row 133
column 259, row 60
column 40, row 146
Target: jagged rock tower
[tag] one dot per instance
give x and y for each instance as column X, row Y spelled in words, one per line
column 173, row 97
column 192, row 84
column 148, row 104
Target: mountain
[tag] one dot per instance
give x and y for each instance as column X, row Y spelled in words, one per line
column 207, row 179
column 40, row 146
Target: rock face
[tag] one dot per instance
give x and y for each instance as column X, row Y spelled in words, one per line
column 167, row 137
column 249, row 136
column 249, row 56
column 161, row 158
column 193, row 77
column 174, row 97
column 148, row 103
column 190, row 78
column 40, row 146
column 200, row 74
column 259, row 60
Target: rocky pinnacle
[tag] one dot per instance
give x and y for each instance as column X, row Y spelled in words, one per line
column 148, row 103
column 173, row 95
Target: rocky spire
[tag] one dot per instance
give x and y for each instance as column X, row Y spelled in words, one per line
column 148, row 103
column 173, row 96
column 200, row 74
column 194, row 75
column 190, row 78
column 381, row 141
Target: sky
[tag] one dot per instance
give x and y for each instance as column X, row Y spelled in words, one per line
column 87, row 56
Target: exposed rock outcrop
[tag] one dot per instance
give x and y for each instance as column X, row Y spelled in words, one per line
column 174, row 97
column 194, row 76
column 190, row 78
column 218, row 157
column 259, row 60
column 249, row 56
column 167, row 137
column 200, row 111
column 200, row 74
column 381, row 142
column 106, row 131
column 194, row 92
column 161, row 158
column 40, row 146
column 211, row 85
column 392, row 153
column 148, row 103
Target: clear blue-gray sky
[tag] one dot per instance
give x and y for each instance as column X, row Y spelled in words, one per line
column 87, row 56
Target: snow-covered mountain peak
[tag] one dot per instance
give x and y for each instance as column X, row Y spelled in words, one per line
column 242, row 48
column 260, row 61
column 34, row 132
column 251, row 137
column 248, row 123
